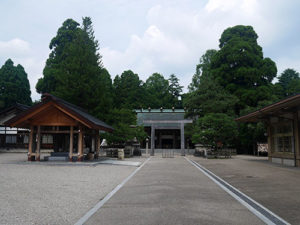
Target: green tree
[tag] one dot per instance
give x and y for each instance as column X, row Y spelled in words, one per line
column 202, row 69
column 157, row 89
column 175, row 90
column 209, row 97
column 288, row 83
column 239, row 67
column 105, row 101
column 213, row 128
column 74, row 69
column 212, row 108
column 65, row 37
column 124, row 120
column 14, row 85
column 129, row 92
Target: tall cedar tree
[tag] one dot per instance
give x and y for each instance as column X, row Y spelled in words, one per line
column 239, row 81
column 175, row 90
column 129, row 92
column 74, row 70
column 239, row 67
column 202, row 69
column 157, row 90
column 14, row 85
column 288, row 83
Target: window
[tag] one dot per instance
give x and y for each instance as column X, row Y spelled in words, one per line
column 11, row 139
column 47, row 139
column 282, row 137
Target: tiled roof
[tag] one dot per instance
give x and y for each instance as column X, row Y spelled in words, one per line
column 74, row 110
column 19, row 107
column 160, row 115
column 277, row 108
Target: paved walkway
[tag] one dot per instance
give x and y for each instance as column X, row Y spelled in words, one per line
column 272, row 185
column 172, row 191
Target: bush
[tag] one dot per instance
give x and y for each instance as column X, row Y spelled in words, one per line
column 213, row 128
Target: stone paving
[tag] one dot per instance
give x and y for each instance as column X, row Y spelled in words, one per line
column 164, row 191
column 274, row 186
column 172, row 191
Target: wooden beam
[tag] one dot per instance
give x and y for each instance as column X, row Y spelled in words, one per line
column 38, row 146
column 30, row 142
column 33, row 111
column 58, row 131
column 71, row 143
column 72, row 116
column 80, row 144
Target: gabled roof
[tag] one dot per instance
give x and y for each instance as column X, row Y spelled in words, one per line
column 284, row 106
column 73, row 111
column 17, row 106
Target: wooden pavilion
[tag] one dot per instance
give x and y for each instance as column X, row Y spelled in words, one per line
column 66, row 123
column 282, row 120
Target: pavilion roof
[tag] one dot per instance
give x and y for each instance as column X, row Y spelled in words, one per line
column 276, row 109
column 73, row 111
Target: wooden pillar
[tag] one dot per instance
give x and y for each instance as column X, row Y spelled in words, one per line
column 182, row 139
column 93, row 145
column 30, row 143
column 152, row 139
column 270, row 147
column 147, row 146
column 98, row 143
column 71, row 143
column 296, row 138
column 80, row 144
column 38, row 146
column 174, row 140
column 4, row 143
column 160, row 141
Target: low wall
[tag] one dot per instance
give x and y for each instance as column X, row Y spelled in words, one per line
column 282, row 161
column 176, row 151
column 201, row 150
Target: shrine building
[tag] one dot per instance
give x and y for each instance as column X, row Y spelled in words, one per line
column 165, row 127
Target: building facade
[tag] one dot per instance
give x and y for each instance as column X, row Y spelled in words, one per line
column 12, row 137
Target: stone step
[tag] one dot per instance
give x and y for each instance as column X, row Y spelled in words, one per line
column 60, row 154
column 56, row 158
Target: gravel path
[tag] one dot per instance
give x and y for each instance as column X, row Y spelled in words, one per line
column 37, row 193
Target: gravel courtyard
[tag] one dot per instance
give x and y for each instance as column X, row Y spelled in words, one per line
column 41, row 193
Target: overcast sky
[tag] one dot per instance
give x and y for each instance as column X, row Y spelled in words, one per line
column 148, row 36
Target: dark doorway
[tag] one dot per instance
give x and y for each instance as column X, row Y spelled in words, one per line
column 167, row 143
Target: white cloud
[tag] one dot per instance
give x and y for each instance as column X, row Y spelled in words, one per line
column 176, row 37
column 15, row 47
column 147, row 54
column 150, row 36
column 20, row 52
